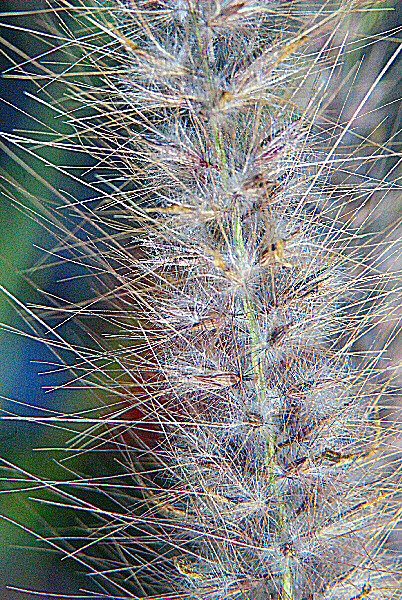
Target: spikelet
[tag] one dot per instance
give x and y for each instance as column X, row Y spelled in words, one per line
column 250, row 425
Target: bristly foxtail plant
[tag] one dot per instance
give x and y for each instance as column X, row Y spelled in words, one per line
column 229, row 270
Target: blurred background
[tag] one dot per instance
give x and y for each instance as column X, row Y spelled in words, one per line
column 24, row 271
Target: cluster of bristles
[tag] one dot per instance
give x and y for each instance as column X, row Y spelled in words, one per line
column 259, row 467
column 259, row 485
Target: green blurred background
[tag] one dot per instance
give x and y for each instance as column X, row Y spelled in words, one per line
column 24, row 562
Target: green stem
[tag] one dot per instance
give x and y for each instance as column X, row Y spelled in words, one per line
column 257, row 362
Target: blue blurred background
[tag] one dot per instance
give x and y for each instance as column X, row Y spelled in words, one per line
column 22, row 562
